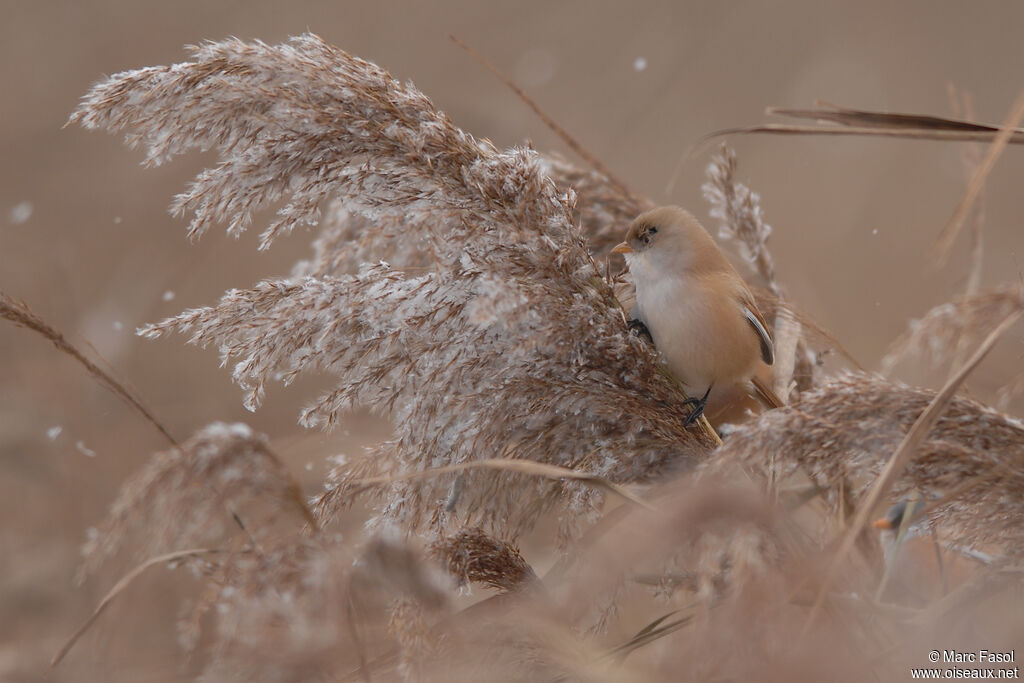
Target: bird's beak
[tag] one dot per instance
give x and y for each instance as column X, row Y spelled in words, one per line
column 622, row 248
column 882, row 523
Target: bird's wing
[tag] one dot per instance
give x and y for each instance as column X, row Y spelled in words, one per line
column 761, row 328
column 764, row 394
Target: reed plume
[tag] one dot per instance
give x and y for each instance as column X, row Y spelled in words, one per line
column 740, row 216
column 491, row 332
column 937, row 336
column 222, row 481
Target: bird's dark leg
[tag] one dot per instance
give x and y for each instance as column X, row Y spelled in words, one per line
column 637, row 327
column 698, row 407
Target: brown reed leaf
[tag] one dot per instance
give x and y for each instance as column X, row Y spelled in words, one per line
column 900, row 131
column 659, row 628
column 824, row 111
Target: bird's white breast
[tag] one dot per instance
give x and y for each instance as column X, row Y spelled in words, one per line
column 700, row 332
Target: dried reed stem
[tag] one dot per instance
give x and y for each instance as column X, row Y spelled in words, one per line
column 570, row 141
column 20, row 314
column 1008, row 130
column 537, row 469
column 123, row 583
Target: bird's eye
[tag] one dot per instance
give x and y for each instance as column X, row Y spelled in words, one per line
column 653, row 230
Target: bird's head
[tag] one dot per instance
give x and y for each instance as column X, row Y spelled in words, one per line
column 667, row 237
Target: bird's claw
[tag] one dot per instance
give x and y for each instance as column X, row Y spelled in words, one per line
column 638, row 328
column 698, row 408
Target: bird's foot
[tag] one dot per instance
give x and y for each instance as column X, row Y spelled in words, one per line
column 698, row 407
column 637, row 327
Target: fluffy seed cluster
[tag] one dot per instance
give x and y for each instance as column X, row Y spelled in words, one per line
column 739, row 213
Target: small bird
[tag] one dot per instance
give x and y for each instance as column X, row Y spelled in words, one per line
column 698, row 311
column 920, row 566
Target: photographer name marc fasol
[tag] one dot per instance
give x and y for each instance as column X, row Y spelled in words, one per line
column 981, row 656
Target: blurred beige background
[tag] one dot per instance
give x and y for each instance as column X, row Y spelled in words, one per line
column 86, row 240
